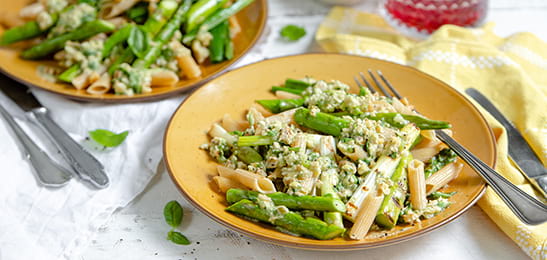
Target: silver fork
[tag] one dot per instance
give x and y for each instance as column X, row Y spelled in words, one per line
column 526, row 208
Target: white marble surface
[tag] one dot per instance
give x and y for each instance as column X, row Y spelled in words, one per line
column 139, row 231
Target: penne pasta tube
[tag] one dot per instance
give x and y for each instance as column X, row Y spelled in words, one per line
column 426, row 153
column 115, row 8
column 442, row 177
column 261, row 110
column 225, row 184
column 402, row 108
column 286, row 95
column 217, row 131
column 163, row 77
column 365, row 216
column 355, row 153
column 30, row 12
column 101, row 86
column 235, row 28
column 188, row 66
column 284, row 117
column 416, row 184
column 85, row 79
column 230, row 124
column 250, row 180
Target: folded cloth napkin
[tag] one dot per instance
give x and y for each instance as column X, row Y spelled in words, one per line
column 510, row 71
column 43, row 223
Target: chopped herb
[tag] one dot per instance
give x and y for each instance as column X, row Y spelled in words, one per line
column 292, row 32
column 107, row 138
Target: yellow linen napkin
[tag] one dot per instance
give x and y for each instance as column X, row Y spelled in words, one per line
column 510, row 71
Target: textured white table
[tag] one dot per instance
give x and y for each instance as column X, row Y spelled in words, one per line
column 139, row 231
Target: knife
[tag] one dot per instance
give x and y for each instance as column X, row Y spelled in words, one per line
column 519, row 150
column 83, row 163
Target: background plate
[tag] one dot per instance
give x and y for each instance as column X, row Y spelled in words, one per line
column 192, row 169
column 252, row 20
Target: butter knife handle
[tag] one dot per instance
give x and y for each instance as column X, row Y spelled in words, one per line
column 87, row 166
column 526, row 208
column 49, row 173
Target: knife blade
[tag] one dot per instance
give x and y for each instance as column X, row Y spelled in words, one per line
column 82, row 162
column 519, row 150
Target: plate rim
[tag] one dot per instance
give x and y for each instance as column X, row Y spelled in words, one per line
column 138, row 98
column 320, row 247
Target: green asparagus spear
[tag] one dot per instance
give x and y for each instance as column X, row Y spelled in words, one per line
column 328, row 203
column 444, row 157
column 248, row 155
column 289, row 90
column 54, row 44
column 290, row 221
column 394, row 201
column 280, row 105
column 200, row 11
column 328, row 180
column 297, row 84
column 217, row 46
column 438, row 194
column 161, row 15
column 116, row 38
column 164, row 35
column 421, row 122
column 321, row 122
column 253, row 140
column 215, row 19
column 70, row 73
column 153, row 25
column 228, row 47
column 26, row 31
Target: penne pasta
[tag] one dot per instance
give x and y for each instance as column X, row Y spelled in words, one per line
column 365, row 216
column 185, row 61
column 286, row 95
column 101, row 86
column 229, row 124
column 442, row 177
column 426, row 153
column 250, row 180
column 235, row 28
column 225, row 184
column 355, row 153
column 85, row 79
column 30, row 12
column 115, row 8
column 261, row 110
column 9, row 20
column 416, row 184
column 163, row 77
column 283, row 117
column 217, row 131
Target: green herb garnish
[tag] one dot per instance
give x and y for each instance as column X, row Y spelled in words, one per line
column 292, row 32
column 138, row 41
column 173, row 213
column 177, row 238
column 107, row 138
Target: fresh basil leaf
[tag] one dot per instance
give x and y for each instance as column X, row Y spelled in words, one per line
column 108, row 138
column 138, row 41
column 177, row 238
column 173, row 213
column 292, row 32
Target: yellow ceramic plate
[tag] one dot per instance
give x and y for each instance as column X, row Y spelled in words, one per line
column 192, row 169
column 252, row 20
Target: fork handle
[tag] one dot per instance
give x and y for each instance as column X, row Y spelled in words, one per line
column 49, row 173
column 87, row 166
column 526, row 208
